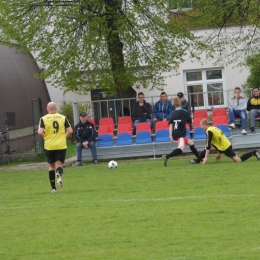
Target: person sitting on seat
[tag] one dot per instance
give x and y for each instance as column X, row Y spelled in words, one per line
column 85, row 136
column 162, row 109
column 237, row 108
column 141, row 111
column 253, row 106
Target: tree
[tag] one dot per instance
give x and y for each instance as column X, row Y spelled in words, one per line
column 106, row 44
column 253, row 63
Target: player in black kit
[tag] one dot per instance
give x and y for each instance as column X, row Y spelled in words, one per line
column 177, row 130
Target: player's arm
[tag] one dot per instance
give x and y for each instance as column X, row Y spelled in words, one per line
column 41, row 131
column 208, row 146
column 68, row 127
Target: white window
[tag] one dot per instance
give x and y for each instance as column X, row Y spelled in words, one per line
column 205, row 88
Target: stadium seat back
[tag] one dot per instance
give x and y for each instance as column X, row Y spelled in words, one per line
column 125, row 128
column 143, row 137
column 219, row 112
column 106, row 129
column 219, row 120
column 161, row 125
column 162, row 135
column 105, row 140
column 125, row 120
column 143, row 126
column 124, row 139
column 199, row 133
column 202, row 113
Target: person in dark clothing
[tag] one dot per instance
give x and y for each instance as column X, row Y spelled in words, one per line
column 141, row 111
column 85, row 136
column 177, row 130
column 253, row 106
column 184, row 103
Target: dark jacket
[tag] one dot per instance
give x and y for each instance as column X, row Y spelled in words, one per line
column 139, row 111
column 253, row 103
column 84, row 132
column 162, row 111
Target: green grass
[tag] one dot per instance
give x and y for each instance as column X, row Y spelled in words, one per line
column 142, row 210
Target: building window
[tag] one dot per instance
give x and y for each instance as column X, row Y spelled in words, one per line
column 205, row 88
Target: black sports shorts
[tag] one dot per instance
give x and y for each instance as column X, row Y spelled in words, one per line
column 228, row 152
column 55, row 155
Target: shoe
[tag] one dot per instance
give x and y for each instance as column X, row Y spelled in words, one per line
column 95, row 162
column 78, row 163
column 232, row 125
column 53, row 190
column 253, row 130
column 257, row 154
column 244, row 132
column 59, row 179
column 165, row 159
column 193, row 161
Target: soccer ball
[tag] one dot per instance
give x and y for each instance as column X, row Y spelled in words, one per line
column 112, row 164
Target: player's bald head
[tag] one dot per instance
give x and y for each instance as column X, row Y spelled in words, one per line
column 51, row 107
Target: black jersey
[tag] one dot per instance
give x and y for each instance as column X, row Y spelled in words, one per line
column 178, row 119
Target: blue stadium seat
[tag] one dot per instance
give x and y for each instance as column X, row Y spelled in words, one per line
column 188, row 132
column 124, row 139
column 199, row 133
column 224, row 129
column 143, row 137
column 162, row 135
column 105, row 140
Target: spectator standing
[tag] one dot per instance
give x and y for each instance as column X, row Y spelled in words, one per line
column 237, row 108
column 85, row 136
column 184, row 103
column 55, row 128
column 253, row 106
column 141, row 111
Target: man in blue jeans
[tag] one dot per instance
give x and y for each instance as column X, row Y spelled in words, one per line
column 237, row 108
column 85, row 135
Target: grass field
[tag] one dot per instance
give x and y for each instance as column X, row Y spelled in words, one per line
column 142, row 210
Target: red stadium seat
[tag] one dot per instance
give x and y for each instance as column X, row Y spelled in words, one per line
column 105, row 129
column 196, row 122
column 202, row 113
column 144, row 126
column 106, row 121
column 125, row 120
column 219, row 112
column 91, row 120
column 124, row 128
column 219, row 120
column 160, row 125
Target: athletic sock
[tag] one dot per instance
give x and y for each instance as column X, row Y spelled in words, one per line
column 201, row 156
column 194, row 150
column 59, row 170
column 174, row 153
column 52, row 179
column 247, row 155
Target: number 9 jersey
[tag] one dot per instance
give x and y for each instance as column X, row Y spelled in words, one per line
column 55, row 131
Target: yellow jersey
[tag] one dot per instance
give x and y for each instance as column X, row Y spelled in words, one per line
column 217, row 138
column 55, row 131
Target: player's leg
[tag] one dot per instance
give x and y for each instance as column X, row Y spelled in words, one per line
column 60, row 159
column 51, row 161
column 247, row 156
column 193, row 148
column 177, row 151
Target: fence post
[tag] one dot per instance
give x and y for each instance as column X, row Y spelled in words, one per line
column 76, row 112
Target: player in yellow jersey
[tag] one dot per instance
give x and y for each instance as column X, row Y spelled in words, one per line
column 55, row 129
column 217, row 140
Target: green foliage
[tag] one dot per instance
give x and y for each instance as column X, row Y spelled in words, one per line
column 253, row 63
column 142, row 210
column 85, row 45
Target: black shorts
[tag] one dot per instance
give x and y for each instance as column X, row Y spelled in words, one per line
column 55, row 155
column 228, row 152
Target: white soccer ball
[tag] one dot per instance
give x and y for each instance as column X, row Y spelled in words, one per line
column 112, row 164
